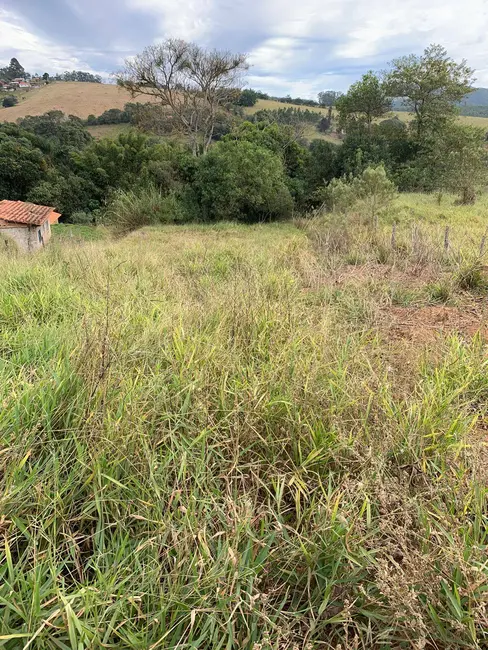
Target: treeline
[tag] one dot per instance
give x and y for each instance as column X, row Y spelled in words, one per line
column 15, row 70
column 249, row 97
column 78, row 75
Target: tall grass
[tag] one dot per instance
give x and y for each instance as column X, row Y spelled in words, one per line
column 205, row 447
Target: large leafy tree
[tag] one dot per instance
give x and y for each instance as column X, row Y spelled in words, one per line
column 194, row 83
column 12, row 71
column 248, row 97
column 431, row 85
column 328, row 98
column 457, row 160
column 365, row 101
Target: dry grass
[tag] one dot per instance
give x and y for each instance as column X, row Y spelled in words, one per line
column 209, row 440
column 73, row 98
column 273, row 105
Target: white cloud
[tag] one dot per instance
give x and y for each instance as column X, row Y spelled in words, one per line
column 187, row 19
column 295, row 46
column 34, row 52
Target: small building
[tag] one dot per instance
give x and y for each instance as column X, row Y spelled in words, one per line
column 27, row 224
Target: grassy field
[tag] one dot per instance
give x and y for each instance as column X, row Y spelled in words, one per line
column 247, row 437
column 465, row 119
column 73, row 98
column 272, row 105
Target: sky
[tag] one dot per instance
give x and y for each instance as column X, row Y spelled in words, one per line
column 295, row 47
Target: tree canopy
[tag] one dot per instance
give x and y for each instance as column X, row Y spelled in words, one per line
column 366, row 100
column 195, row 83
column 430, row 85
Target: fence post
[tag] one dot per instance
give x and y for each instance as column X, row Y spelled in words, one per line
column 446, row 239
column 414, row 238
column 393, row 236
column 482, row 245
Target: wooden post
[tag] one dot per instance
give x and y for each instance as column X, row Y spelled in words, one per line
column 393, row 236
column 482, row 245
column 446, row 239
column 414, row 237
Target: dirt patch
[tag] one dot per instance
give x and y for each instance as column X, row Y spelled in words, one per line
column 411, row 278
column 424, row 324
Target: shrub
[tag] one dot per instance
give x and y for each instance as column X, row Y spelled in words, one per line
column 10, row 101
column 375, row 190
column 372, row 189
column 337, row 196
column 241, row 180
column 81, row 218
column 470, row 276
column 147, row 206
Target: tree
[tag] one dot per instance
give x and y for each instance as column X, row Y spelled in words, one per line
column 329, row 98
column 10, row 101
column 374, row 189
column 365, row 101
column 240, row 180
column 280, row 139
column 430, row 85
column 45, row 76
column 320, row 166
column 323, row 125
column 458, row 161
column 247, row 97
column 193, row 82
column 22, row 166
column 13, row 71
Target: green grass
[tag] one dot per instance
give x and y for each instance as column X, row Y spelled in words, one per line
column 74, row 233
column 210, row 441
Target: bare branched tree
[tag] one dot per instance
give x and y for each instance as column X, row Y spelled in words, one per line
column 193, row 82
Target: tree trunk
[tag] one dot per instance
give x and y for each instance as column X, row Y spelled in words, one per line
column 468, row 196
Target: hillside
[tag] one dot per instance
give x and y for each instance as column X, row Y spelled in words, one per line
column 83, row 99
column 80, row 99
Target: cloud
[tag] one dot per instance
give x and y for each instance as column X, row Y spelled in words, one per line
column 190, row 20
column 296, row 47
column 34, row 52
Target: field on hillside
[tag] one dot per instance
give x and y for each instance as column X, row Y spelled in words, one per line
column 73, row 98
column 83, row 99
column 272, row 105
column 258, row 437
column 465, row 119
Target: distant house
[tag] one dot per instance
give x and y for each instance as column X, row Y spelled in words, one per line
column 27, row 224
column 24, row 84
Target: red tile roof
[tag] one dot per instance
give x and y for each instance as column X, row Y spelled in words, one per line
column 28, row 213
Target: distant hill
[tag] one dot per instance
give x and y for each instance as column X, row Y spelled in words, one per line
column 477, row 98
column 73, row 98
column 475, row 104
